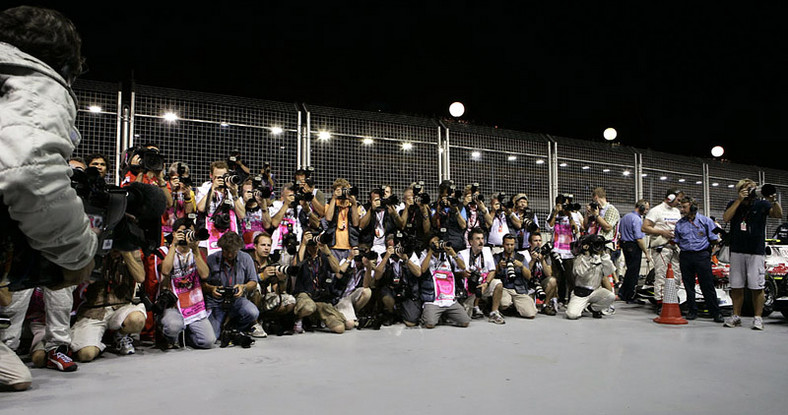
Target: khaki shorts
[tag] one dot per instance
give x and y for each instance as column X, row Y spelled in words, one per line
column 324, row 312
column 88, row 331
column 747, row 269
column 12, row 370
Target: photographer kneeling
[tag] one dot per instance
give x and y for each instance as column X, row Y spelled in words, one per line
column 592, row 287
column 181, row 299
column 232, row 275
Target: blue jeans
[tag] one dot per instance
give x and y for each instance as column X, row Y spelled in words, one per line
column 243, row 314
column 699, row 262
column 201, row 332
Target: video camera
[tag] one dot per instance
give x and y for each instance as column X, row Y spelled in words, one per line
column 593, row 244
column 766, row 191
column 150, row 159
column 128, row 219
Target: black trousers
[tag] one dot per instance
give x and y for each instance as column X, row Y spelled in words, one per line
column 632, row 257
column 699, row 263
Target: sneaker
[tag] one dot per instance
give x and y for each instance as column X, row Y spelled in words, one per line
column 732, row 321
column 298, row 327
column 58, row 359
column 258, row 332
column 692, row 315
column 496, row 317
column 477, row 313
column 757, row 323
column 609, row 311
column 124, row 344
column 548, row 310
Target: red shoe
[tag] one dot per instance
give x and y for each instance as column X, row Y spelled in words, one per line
column 58, row 359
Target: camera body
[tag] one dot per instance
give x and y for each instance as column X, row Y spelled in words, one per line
column 227, row 296
column 591, row 244
column 565, row 200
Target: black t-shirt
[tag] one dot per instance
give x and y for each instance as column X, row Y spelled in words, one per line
column 748, row 227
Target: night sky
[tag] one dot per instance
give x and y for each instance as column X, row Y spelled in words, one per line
column 669, row 76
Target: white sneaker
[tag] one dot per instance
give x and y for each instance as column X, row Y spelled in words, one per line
column 298, row 327
column 124, row 344
column 496, row 317
column 258, row 332
column 609, row 311
column 732, row 321
column 757, row 323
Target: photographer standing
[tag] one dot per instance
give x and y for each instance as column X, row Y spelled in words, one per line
column 415, row 215
column 694, row 237
column 603, row 220
column 182, row 270
column 449, row 216
column 39, row 59
column 218, row 200
column 256, row 218
column 182, row 196
column 524, row 220
column 499, row 227
column 232, row 276
column 474, row 211
column 747, row 216
column 378, row 219
column 566, row 222
column 287, row 218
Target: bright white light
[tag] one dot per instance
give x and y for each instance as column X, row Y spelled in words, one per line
column 644, row 175
column 476, row 155
column 512, row 158
column 730, row 186
column 664, row 178
column 563, row 164
column 715, row 184
column 539, row 161
column 224, row 125
column 586, row 167
column 682, row 180
column 94, row 108
column 277, row 130
column 323, row 135
column 610, row 134
column 605, row 170
column 170, row 117
column 699, row 182
column 456, row 109
column 367, row 141
column 407, row 146
column 717, row 151
column 626, row 173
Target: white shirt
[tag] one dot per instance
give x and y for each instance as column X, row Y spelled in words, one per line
column 289, row 217
column 664, row 218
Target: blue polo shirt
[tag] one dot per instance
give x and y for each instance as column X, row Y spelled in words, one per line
column 630, row 227
column 694, row 235
column 241, row 272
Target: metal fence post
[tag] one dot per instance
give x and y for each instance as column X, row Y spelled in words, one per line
column 706, row 190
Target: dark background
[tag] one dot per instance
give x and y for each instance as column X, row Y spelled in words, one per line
column 669, row 76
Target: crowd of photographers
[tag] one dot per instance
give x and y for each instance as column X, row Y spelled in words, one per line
column 245, row 254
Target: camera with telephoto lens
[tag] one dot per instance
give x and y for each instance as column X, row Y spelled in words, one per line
column 474, row 190
column 546, row 250
column 348, row 192
column 290, row 240
column 506, row 201
column 510, row 272
column 235, row 337
column 166, row 299
column 538, row 290
column 300, row 194
column 441, row 246
column 227, row 295
column 183, row 175
column 370, row 255
column 565, row 200
column 200, row 234
column 528, row 222
column 234, row 160
column 231, row 179
column 766, row 191
column 261, row 187
column 221, row 217
column 392, row 200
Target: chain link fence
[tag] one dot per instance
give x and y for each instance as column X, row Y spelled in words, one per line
column 373, row 148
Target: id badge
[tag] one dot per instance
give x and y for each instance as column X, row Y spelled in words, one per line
column 743, row 226
column 378, row 232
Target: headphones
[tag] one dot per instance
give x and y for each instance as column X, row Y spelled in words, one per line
column 672, row 195
column 641, row 206
column 693, row 204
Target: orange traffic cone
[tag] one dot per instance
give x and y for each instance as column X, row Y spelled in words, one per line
column 671, row 313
